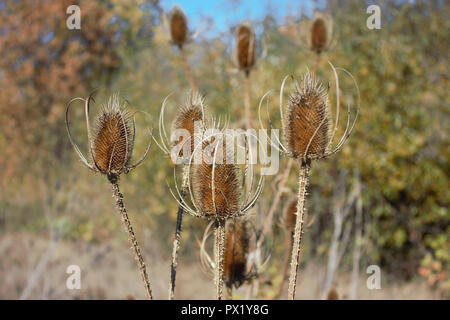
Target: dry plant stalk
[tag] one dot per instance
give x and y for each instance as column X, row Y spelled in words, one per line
column 179, row 37
column 245, row 56
column 216, row 194
column 111, row 150
column 308, row 134
column 190, row 114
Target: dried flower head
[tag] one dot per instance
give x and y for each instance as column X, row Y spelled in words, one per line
column 112, row 141
column 188, row 115
column 217, row 189
column 111, row 147
column 307, row 121
column 178, row 26
column 307, row 128
column 245, row 47
column 332, row 294
column 320, row 32
column 236, row 252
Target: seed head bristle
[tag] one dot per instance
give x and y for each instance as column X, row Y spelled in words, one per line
column 188, row 115
column 224, row 202
column 290, row 214
column 307, row 120
column 236, row 252
column 178, row 27
column 112, row 142
column 245, row 43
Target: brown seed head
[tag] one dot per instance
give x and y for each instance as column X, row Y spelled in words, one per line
column 236, row 251
column 332, row 294
column 113, row 139
column 245, row 44
column 217, row 194
column 318, row 35
column 178, row 27
column 188, row 115
column 307, row 121
column 290, row 214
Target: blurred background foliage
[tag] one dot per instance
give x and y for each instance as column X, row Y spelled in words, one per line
column 400, row 145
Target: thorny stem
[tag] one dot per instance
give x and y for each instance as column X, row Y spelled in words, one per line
column 248, row 124
column 219, row 248
column 131, row 237
column 302, row 186
column 188, row 70
column 176, row 240
column 286, row 264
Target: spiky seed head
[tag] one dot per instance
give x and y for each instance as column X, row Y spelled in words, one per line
column 224, row 202
column 245, row 45
column 290, row 214
column 236, row 252
column 113, row 138
column 307, row 120
column 320, row 32
column 178, row 26
column 332, row 294
column 318, row 35
column 188, row 115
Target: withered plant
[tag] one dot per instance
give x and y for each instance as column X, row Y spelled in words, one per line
column 111, row 148
column 239, row 267
column 320, row 35
column 179, row 33
column 216, row 193
column 190, row 114
column 245, row 59
column 308, row 134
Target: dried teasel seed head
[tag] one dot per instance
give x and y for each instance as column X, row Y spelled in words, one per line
column 112, row 144
column 307, row 120
column 332, row 294
column 236, row 252
column 216, row 188
column 320, row 32
column 318, row 35
column 178, row 26
column 189, row 114
column 245, row 47
column 290, row 214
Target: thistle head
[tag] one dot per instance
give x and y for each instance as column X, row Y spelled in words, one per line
column 307, row 122
column 245, row 47
column 236, row 252
column 189, row 114
column 217, row 189
column 111, row 145
column 320, row 32
column 178, row 26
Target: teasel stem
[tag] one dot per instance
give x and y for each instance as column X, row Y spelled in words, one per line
column 247, row 101
column 302, row 186
column 176, row 240
column 132, row 238
column 188, row 70
column 219, row 249
column 286, row 264
column 316, row 63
